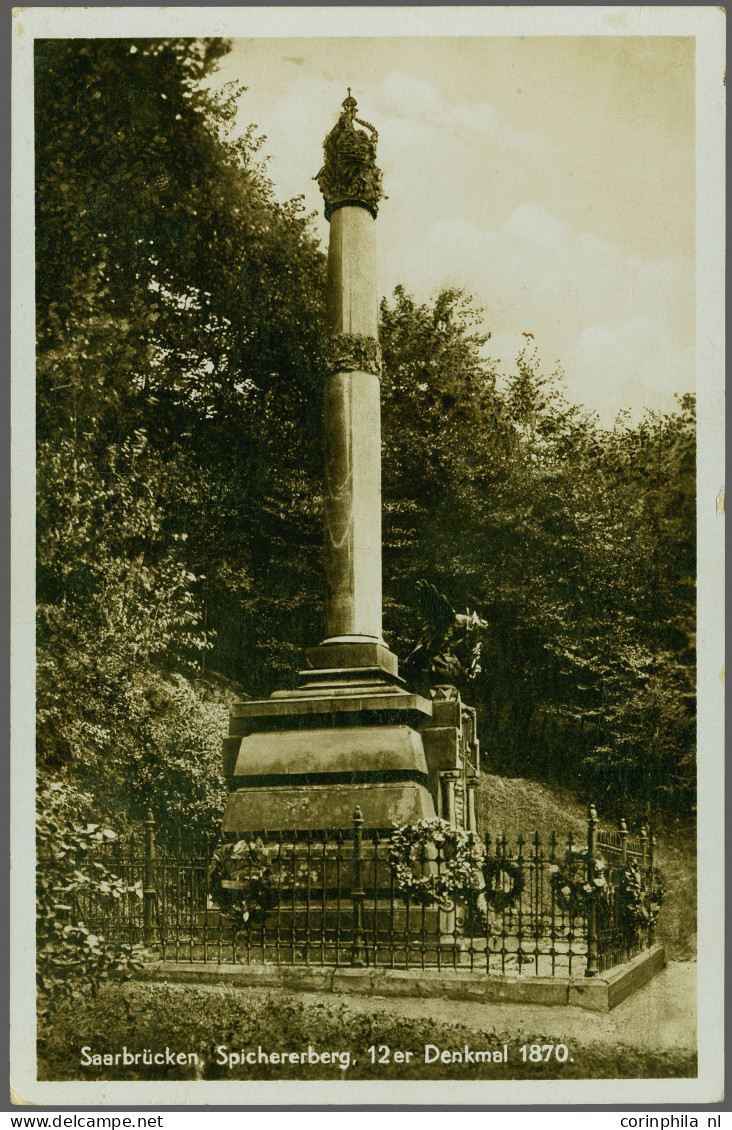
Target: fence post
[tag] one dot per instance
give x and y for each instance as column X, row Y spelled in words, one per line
column 149, row 890
column 651, row 877
column 592, row 823
column 650, row 841
column 357, row 893
column 652, row 845
column 623, row 836
column 643, row 837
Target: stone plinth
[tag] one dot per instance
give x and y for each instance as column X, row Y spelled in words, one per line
column 326, row 806
column 351, row 655
column 307, row 758
column 346, row 752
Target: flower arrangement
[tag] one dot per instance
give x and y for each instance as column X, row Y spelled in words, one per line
column 434, row 863
column 638, row 905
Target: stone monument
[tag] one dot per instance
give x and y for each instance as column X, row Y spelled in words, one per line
column 351, row 734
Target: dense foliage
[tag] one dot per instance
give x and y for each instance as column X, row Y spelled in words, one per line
column 179, row 378
column 72, row 960
column 178, row 314
column 576, row 544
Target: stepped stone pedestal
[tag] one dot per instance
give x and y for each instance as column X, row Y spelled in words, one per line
column 347, row 737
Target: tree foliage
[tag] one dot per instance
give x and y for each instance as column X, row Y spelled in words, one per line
column 179, row 344
column 576, row 544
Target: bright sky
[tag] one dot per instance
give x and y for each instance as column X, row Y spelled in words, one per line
column 552, row 176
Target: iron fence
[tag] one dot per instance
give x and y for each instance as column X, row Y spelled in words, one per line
column 542, row 907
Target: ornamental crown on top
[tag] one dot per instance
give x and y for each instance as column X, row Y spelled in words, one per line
column 350, row 174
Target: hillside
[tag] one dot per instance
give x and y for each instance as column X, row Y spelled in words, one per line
column 507, row 804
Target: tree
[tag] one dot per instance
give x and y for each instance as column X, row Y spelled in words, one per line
column 575, row 543
column 172, row 404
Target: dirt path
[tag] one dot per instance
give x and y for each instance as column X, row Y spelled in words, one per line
column 660, row 1016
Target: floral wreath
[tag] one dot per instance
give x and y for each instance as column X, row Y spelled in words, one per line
column 432, row 862
column 241, row 882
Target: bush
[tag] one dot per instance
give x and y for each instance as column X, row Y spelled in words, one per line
column 71, row 959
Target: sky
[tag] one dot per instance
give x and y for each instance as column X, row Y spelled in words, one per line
column 552, row 177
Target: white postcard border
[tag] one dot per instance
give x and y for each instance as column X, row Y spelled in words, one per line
column 707, row 25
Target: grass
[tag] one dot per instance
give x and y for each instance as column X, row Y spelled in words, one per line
column 188, row 1019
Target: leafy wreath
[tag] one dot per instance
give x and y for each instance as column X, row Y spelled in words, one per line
column 349, row 352
column 241, row 882
column 572, row 888
column 504, row 884
column 640, row 906
column 432, row 862
column 501, row 885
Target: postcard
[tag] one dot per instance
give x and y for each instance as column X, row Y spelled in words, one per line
column 368, row 442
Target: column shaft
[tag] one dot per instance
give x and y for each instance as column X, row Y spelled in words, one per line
column 352, row 496
column 352, row 301
column 352, row 506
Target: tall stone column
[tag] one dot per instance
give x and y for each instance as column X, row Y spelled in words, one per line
column 350, row 733
column 350, row 181
column 352, row 497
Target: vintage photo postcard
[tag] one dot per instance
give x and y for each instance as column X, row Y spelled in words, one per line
column 367, row 494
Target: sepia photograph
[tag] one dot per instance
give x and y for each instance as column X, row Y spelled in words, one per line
column 367, row 576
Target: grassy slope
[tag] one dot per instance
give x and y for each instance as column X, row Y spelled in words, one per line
column 191, row 1018
column 507, row 804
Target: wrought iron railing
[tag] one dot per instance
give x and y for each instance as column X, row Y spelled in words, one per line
column 331, row 899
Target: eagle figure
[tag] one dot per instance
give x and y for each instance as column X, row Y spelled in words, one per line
column 449, row 644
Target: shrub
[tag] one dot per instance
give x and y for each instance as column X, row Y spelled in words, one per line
column 71, row 959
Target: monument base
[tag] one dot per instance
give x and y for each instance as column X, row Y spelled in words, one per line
column 313, row 807
column 347, row 737
column 350, row 736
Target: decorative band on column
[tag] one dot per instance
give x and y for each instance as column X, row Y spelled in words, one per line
column 354, row 353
